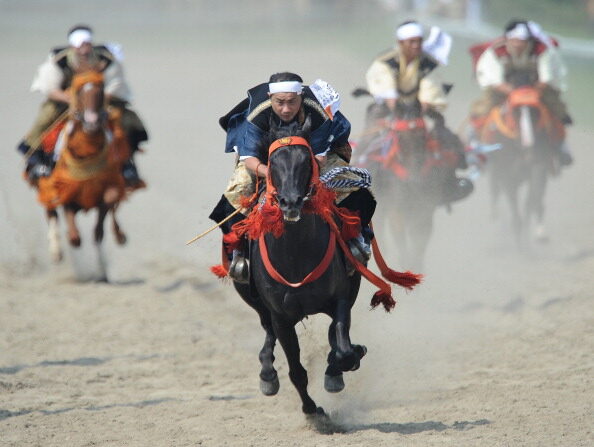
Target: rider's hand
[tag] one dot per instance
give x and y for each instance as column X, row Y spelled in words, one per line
column 321, row 160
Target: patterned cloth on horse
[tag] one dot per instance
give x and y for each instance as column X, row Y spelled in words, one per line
column 83, row 178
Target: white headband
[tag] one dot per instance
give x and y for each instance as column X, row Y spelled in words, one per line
column 409, row 31
column 78, row 37
column 285, row 87
column 520, row 31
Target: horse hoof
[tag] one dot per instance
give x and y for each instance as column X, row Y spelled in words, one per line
column 361, row 350
column 121, row 238
column 540, row 234
column 74, row 241
column 57, row 257
column 269, row 388
column 333, row 384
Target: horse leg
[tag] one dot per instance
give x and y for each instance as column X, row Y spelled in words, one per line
column 285, row 332
column 420, row 233
column 53, row 236
column 110, row 198
column 120, row 236
column 343, row 355
column 512, row 192
column 535, row 202
column 73, row 233
column 269, row 384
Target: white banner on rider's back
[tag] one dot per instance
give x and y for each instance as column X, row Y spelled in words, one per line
column 327, row 96
column 438, row 45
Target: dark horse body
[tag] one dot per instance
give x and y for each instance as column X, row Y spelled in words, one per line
column 527, row 156
column 409, row 186
column 294, row 255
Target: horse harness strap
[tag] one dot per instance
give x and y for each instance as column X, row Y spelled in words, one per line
column 404, row 125
column 310, row 277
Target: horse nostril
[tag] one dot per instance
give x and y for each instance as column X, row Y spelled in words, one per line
column 282, row 202
column 299, row 201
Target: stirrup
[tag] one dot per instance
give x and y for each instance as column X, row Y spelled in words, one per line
column 239, row 269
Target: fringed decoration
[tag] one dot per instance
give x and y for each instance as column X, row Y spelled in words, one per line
column 385, row 299
column 404, row 279
column 219, row 270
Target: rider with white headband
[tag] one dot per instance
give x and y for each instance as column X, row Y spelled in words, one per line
column 53, row 80
column 525, row 54
column 405, row 73
column 285, row 100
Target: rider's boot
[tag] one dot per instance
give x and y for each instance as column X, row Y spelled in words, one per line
column 360, row 247
column 565, row 157
column 131, row 176
column 38, row 165
column 456, row 189
column 239, row 268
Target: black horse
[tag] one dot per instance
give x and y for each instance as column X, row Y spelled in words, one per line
column 411, row 179
column 294, row 255
column 524, row 128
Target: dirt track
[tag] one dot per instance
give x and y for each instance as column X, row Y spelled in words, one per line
column 494, row 349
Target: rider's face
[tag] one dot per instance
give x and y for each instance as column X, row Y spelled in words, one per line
column 84, row 50
column 411, row 48
column 285, row 105
column 516, row 46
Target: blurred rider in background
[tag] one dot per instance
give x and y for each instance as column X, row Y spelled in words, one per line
column 53, row 80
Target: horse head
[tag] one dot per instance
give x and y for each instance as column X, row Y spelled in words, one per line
column 409, row 126
column 88, row 100
column 291, row 166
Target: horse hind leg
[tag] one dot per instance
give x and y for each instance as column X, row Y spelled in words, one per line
column 110, row 198
column 53, row 236
column 119, row 235
column 285, row 332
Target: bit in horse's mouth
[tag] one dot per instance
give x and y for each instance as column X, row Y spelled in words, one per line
column 292, row 219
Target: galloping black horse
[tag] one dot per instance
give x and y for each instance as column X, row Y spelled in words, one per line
column 294, row 255
column 525, row 129
column 410, row 180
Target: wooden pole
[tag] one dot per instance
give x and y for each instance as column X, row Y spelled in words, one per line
column 214, row 226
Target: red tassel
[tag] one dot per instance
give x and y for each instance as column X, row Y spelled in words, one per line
column 219, row 270
column 231, row 241
column 404, row 279
column 384, row 299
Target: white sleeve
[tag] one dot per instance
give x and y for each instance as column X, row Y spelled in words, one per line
column 431, row 92
column 552, row 70
column 489, row 70
column 115, row 83
column 380, row 81
column 48, row 78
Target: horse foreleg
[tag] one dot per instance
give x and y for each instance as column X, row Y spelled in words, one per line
column 73, row 233
column 535, row 202
column 285, row 332
column 110, row 198
column 512, row 196
column 53, row 236
column 120, row 236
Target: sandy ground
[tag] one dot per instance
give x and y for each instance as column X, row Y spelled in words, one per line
column 494, row 349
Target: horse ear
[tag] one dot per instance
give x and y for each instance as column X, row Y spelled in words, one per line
column 306, row 128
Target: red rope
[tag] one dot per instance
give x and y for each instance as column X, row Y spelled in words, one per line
column 312, row 276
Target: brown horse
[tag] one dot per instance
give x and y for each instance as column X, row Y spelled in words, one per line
column 88, row 171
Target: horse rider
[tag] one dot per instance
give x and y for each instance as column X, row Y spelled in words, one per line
column 53, row 79
column 285, row 100
column 405, row 74
column 526, row 53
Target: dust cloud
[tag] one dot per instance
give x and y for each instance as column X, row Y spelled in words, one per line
column 491, row 340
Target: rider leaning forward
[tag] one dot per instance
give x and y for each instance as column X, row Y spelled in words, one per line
column 524, row 55
column 284, row 100
column 405, row 74
column 53, row 79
